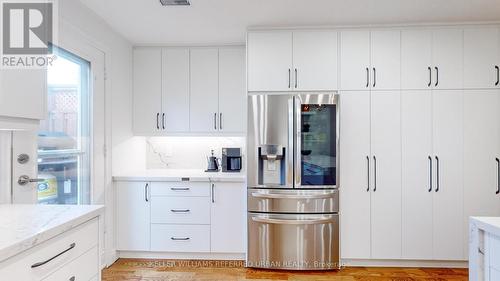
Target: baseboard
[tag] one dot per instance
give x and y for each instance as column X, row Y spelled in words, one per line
column 110, row 256
column 182, row 256
column 403, row 263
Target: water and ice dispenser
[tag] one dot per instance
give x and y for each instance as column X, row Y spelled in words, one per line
column 271, row 167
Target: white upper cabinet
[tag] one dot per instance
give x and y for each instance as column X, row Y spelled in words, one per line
column 315, row 60
column 447, row 58
column 416, row 59
column 355, row 60
column 204, row 106
column 23, row 93
column 147, row 91
column 232, row 93
column 481, row 57
column 269, row 61
column 175, row 90
column 386, row 59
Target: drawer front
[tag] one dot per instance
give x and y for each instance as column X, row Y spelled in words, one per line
column 184, row 188
column 180, row 210
column 180, row 238
column 69, row 245
column 84, row 267
column 494, row 251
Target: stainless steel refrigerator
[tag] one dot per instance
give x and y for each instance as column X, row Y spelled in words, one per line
column 293, row 200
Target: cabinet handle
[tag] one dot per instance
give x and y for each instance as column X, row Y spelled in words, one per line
column 296, row 81
column 180, row 238
column 179, row 188
column 38, row 264
column 437, row 174
column 430, row 174
column 220, row 121
column 289, row 78
column 215, row 121
column 374, row 77
column 180, row 211
column 157, row 121
column 367, row 77
column 498, row 75
column 146, row 192
column 163, row 121
column 213, row 193
column 430, row 76
column 367, row 174
column 437, row 76
column 498, row 176
column 72, row 278
column 374, row 173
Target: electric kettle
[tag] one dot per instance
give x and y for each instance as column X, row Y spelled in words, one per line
column 212, row 163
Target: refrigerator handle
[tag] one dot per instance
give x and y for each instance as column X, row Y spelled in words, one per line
column 298, row 143
column 290, row 154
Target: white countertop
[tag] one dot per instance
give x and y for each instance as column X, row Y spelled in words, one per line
column 25, row 226
column 488, row 224
column 178, row 174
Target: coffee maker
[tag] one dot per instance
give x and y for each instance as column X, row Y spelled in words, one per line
column 231, row 160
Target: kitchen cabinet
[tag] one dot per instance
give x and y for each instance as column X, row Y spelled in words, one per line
column 133, row 216
column 432, row 59
column 481, row 57
column 484, row 248
column 147, row 91
column 370, row 60
column 204, row 100
column 228, row 217
column 292, row 60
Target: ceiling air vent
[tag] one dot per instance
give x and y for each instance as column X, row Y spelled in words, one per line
column 175, row 2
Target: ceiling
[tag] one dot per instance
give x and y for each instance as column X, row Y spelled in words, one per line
column 205, row 22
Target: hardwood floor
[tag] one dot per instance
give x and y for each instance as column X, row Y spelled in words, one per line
column 185, row 270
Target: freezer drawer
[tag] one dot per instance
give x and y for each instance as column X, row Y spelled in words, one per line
column 293, row 201
column 297, row 242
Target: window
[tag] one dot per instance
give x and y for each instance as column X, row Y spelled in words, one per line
column 64, row 136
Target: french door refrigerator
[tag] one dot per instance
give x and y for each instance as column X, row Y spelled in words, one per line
column 293, row 200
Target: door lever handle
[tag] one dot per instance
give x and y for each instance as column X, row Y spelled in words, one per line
column 24, row 180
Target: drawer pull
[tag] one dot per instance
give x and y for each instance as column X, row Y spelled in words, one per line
column 180, row 211
column 179, row 188
column 49, row 260
column 72, row 278
column 180, row 238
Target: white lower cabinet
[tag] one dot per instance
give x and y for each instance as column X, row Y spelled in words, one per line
column 180, row 210
column 180, row 238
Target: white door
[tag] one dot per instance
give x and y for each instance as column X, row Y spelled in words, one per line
column 481, row 47
column 18, row 98
column 447, row 58
column 416, row 59
column 204, row 100
column 232, row 91
column 133, row 216
column 386, row 179
column 481, row 139
column 386, row 59
column 448, row 168
column 417, row 191
column 355, row 60
column 269, row 58
column 175, row 90
column 354, row 172
column 315, row 60
column 147, row 91
column 227, row 228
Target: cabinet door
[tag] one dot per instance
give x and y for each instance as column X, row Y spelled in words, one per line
column 232, row 92
column 354, row 60
column 416, row 147
column 447, row 56
column 133, row 216
column 204, row 105
column 481, row 139
column 386, row 179
column 315, row 60
column 481, row 46
column 416, row 59
column 269, row 61
column 354, row 174
column 23, row 93
column 175, row 90
column 228, row 218
column 386, row 59
column 147, row 91
column 448, row 185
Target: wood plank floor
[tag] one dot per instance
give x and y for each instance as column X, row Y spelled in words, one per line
column 184, row 270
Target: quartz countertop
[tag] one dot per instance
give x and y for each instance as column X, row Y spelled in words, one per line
column 25, row 226
column 179, row 174
column 489, row 224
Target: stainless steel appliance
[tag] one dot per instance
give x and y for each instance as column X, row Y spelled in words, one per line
column 293, row 200
column 231, row 159
column 212, row 163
